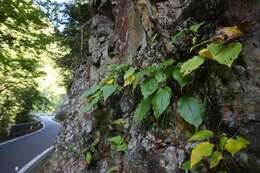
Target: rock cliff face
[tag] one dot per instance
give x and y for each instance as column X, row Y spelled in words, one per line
column 121, row 32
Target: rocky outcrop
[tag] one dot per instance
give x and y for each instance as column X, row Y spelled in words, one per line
column 121, row 32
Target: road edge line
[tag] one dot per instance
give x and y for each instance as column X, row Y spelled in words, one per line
column 29, row 134
column 35, row 160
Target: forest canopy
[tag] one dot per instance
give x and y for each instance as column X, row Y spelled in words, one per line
column 29, row 47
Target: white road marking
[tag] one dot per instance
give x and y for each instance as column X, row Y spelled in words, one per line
column 29, row 134
column 34, row 160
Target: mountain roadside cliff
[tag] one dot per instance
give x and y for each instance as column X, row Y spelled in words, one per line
column 140, row 33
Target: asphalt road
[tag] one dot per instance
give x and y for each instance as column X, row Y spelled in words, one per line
column 16, row 154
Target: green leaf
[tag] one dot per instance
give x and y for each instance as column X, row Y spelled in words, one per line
column 129, row 72
column 116, row 140
column 201, row 135
column 214, row 48
column 129, row 77
column 222, row 142
column 191, row 65
column 160, row 76
column 88, row 157
column 186, row 165
column 194, row 28
column 122, row 147
column 227, row 54
column 108, row 90
column 90, row 91
column 191, row 110
column 182, row 80
column 143, row 108
column 113, row 169
column 96, row 98
column 166, row 63
column 149, row 86
column 214, row 159
column 235, row 145
column 200, row 151
column 161, row 100
column 177, row 36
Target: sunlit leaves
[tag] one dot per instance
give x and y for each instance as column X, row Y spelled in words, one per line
column 230, row 32
column 201, row 135
column 129, row 76
column 191, row 110
column 235, row 145
column 191, row 65
column 227, row 54
column 200, row 151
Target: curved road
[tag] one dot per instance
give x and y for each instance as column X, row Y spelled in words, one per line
column 17, row 154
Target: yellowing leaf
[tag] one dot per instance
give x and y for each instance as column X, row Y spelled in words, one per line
column 230, row 32
column 235, row 145
column 109, row 81
column 191, row 64
column 201, row 135
column 200, row 151
column 129, row 80
column 215, row 158
column 205, row 53
column 225, row 54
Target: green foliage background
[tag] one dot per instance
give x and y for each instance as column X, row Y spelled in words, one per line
column 29, row 47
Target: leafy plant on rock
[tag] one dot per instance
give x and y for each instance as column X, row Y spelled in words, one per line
column 212, row 153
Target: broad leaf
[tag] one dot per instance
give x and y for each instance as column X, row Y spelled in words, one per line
column 191, row 65
column 161, row 100
column 227, row 54
column 160, row 76
column 235, row 145
column 182, row 80
column 143, row 108
column 201, row 135
column 149, row 86
column 215, row 158
column 186, row 165
column 200, row 151
column 108, row 90
column 90, row 91
column 191, row 110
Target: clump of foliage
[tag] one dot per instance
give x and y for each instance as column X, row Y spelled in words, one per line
column 154, row 82
column 213, row 153
column 27, row 38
